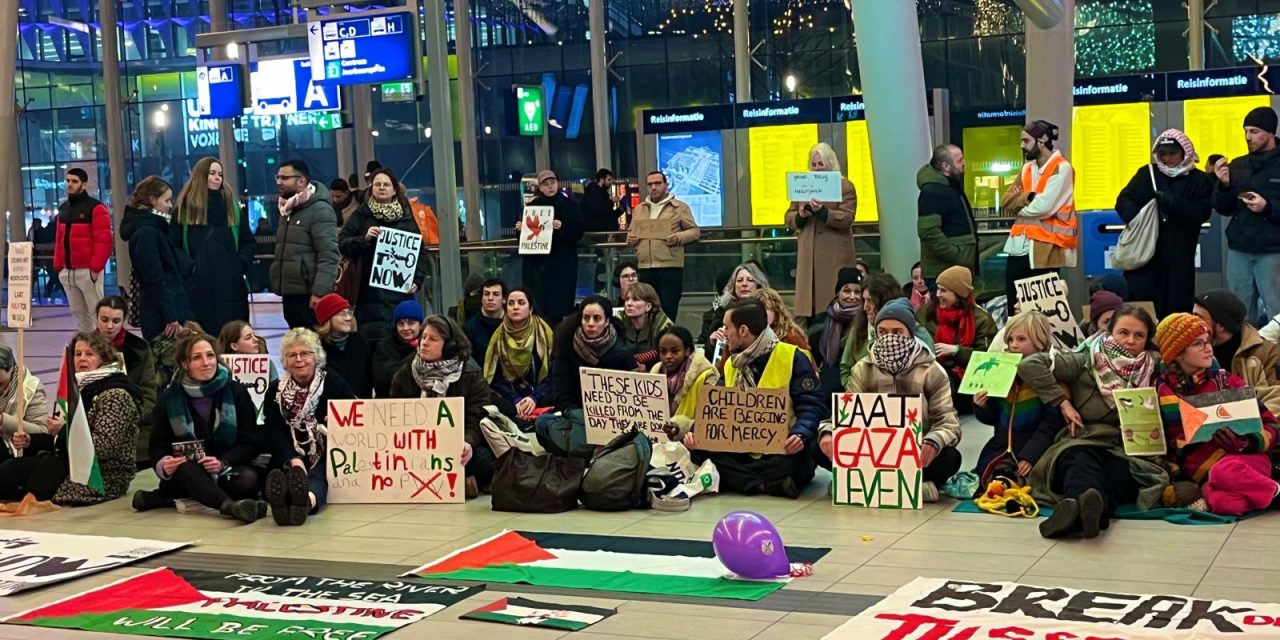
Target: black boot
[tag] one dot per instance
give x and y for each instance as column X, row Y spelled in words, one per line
column 1092, row 505
column 148, row 500
column 245, row 511
column 1065, row 520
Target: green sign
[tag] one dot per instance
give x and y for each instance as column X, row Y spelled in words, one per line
column 329, row 121
column 531, row 111
column 398, row 91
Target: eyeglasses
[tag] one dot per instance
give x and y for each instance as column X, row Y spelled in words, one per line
column 300, row 355
column 345, row 313
column 630, row 276
column 281, row 177
column 1200, row 344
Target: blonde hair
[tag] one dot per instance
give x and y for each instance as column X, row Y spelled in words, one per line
column 783, row 324
column 306, row 338
column 1037, row 327
column 644, row 292
column 326, row 330
column 828, row 156
column 193, row 201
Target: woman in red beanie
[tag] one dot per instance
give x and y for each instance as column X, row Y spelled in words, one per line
column 348, row 353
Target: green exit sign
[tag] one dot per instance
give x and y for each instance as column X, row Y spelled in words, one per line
column 531, row 111
column 329, row 121
column 398, row 92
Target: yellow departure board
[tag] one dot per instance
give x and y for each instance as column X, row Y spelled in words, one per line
column 1216, row 125
column 774, row 151
column 1108, row 144
column 858, row 169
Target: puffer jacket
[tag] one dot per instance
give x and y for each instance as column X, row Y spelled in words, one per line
column 306, row 256
column 83, row 234
column 948, row 235
column 161, row 294
column 925, row 377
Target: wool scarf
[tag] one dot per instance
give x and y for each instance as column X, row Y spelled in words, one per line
column 956, row 325
column 839, row 319
column 591, row 349
column 298, row 406
column 894, row 354
column 761, row 348
column 1115, row 368
column 434, row 378
column 288, row 205
column 17, row 377
column 512, row 349
column 224, row 416
column 388, row 212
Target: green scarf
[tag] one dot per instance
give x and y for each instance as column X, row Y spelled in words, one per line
column 224, row 417
column 512, row 348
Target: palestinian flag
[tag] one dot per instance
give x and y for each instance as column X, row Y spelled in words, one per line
column 606, row 563
column 177, row 603
column 523, row 612
column 1206, row 413
column 82, row 456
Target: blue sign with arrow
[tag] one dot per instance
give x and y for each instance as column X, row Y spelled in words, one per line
column 220, row 90
column 362, row 48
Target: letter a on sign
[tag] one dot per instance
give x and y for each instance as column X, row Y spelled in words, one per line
column 315, row 95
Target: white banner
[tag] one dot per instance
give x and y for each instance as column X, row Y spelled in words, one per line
column 396, row 451
column 20, row 285
column 536, row 230
column 30, row 559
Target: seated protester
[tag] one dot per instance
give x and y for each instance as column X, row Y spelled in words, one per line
column 958, row 326
column 900, row 363
column 1034, row 426
column 587, row 338
column 34, row 414
column 1235, row 470
column 1238, row 346
column 1085, row 474
column 139, row 363
column 480, row 327
column 879, row 288
column 443, row 368
column 759, row 360
column 518, row 363
column 829, row 330
column 917, row 291
column 625, row 275
column 781, row 320
column 206, row 412
column 747, row 279
column 1102, row 305
column 296, row 408
column 346, row 352
column 642, row 319
column 396, row 349
column 687, row 371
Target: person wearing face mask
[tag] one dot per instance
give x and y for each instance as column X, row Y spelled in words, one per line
column 155, row 286
column 642, row 320
column 553, row 278
column 1231, row 471
column 948, row 234
column 824, row 236
column 306, row 255
column 687, row 372
column 830, row 329
column 346, row 353
column 1085, row 475
column 443, row 368
column 1183, row 196
column 899, row 363
column 746, row 279
column 662, row 260
column 138, row 360
column 216, row 246
column 1246, row 191
column 1044, row 235
column 394, row 350
column 481, row 326
column 82, row 247
column 517, row 364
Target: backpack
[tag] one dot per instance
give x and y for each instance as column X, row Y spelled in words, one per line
column 617, row 477
column 564, row 434
column 1137, row 243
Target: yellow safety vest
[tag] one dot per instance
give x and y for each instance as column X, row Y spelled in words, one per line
column 777, row 372
column 688, row 406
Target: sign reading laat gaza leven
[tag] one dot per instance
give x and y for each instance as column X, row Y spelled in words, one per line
column 875, row 456
column 395, row 451
column 362, row 49
column 30, row 559
column 615, row 402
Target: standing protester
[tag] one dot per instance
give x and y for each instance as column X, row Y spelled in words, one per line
column 1183, row 197
column 481, row 327
column 1238, row 346
column 216, row 247
column 156, row 290
column 824, row 236
column 553, row 278
column 344, row 202
column 82, row 247
column 1246, row 191
column 600, row 210
column 1044, row 236
column 306, row 257
column 662, row 260
column 948, row 234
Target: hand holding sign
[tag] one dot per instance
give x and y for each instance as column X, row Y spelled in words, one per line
column 990, row 371
column 536, row 229
column 743, row 420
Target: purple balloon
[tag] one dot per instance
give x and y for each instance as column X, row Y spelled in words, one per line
column 747, row 544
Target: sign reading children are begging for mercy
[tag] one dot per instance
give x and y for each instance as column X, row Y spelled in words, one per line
column 395, row 260
column 1048, row 295
column 875, row 450
column 615, row 402
column 395, row 451
column 742, row 420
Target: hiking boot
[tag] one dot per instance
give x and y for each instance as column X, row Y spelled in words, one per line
column 928, row 492
column 472, row 488
column 1091, row 507
column 299, row 495
column 148, row 500
column 245, row 511
column 1065, row 520
column 277, row 496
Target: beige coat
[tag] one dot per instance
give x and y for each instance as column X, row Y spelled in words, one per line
column 822, row 249
column 676, row 216
column 1256, row 362
column 925, row 378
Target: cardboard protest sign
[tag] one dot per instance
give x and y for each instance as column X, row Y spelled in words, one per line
column 188, row 603
column 742, row 420
column 651, row 228
column 1048, row 295
column 615, row 402
column 395, row 260
column 990, row 371
column 30, row 559
column 395, row 451
column 1141, row 430
column 823, row 186
column 19, row 285
column 254, row 372
column 936, row 608
column 536, row 230
column 875, row 456
column 1207, row 413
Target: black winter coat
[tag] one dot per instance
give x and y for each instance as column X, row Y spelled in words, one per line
column 598, row 211
column 376, row 306
column 354, row 364
column 471, row 387
column 161, row 295
column 1169, row 279
column 566, row 386
column 276, row 430
column 214, row 260
column 248, row 441
column 553, row 278
column 1248, row 231
column 390, row 354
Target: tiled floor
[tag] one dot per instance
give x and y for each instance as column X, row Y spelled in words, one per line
column 873, row 552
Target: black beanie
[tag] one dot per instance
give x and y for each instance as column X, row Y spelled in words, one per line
column 847, row 275
column 1262, row 118
column 1224, row 306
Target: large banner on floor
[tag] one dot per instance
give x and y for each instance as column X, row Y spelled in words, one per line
column 181, row 603
column 396, row 451
column 30, row 559
column 933, row 609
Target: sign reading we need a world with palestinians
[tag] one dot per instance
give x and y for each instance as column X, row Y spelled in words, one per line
column 875, row 454
column 395, row 451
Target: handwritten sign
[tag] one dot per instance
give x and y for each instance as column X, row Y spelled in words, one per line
column 875, row 456
column 395, row 451
column 20, row 285
column 742, row 420
column 651, row 228
column 616, row 402
column 1141, row 430
column 536, row 230
column 254, row 372
column 1048, row 295
column 823, row 186
column 395, row 260
column 990, row 371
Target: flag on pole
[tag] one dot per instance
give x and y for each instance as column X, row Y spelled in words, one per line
column 82, row 457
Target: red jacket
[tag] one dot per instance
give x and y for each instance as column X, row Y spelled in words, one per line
column 83, row 232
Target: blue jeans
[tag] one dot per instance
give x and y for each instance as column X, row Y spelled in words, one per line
column 318, row 484
column 1250, row 275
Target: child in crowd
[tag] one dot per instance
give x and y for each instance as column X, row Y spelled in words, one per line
column 687, row 371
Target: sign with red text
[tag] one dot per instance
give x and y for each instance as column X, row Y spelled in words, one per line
column 616, row 402
column 396, row 451
column 254, row 372
column 935, row 608
column 875, row 450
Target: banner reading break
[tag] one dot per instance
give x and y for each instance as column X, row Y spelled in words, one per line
column 30, row 559
column 396, row 451
column 615, row 402
column 875, row 454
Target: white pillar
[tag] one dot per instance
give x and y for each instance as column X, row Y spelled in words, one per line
column 741, row 51
column 600, row 82
column 1051, row 70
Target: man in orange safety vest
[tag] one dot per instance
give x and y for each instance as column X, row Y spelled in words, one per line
column 1045, row 234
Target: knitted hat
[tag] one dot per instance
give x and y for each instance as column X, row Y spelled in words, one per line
column 898, row 309
column 1102, row 302
column 1225, row 307
column 1263, row 118
column 330, row 306
column 1115, row 283
column 1176, row 332
column 847, row 275
column 958, row 280
column 408, row 310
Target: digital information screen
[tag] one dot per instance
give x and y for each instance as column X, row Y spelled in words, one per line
column 992, row 160
column 1215, row 125
column 280, row 86
column 858, row 170
column 220, row 91
column 1111, row 141
column 356, row 49
column 692, row 164
column 774, row 151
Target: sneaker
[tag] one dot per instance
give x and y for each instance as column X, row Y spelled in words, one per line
column 299, row 496
column 928, row 492
column 148, row 500
column 1064, row 521
column 1091, row 507
column 1198, row 505
column 277, row 497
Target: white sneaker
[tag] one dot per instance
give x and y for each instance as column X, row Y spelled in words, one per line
column 928, row 492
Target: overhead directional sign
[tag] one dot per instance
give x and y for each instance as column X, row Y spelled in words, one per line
column 362, row 48
column 220, row 90
column 280, row 86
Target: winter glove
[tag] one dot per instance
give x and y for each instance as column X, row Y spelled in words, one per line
column 1230, row 442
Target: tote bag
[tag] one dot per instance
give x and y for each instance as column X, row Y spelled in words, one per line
column 1138, row 240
